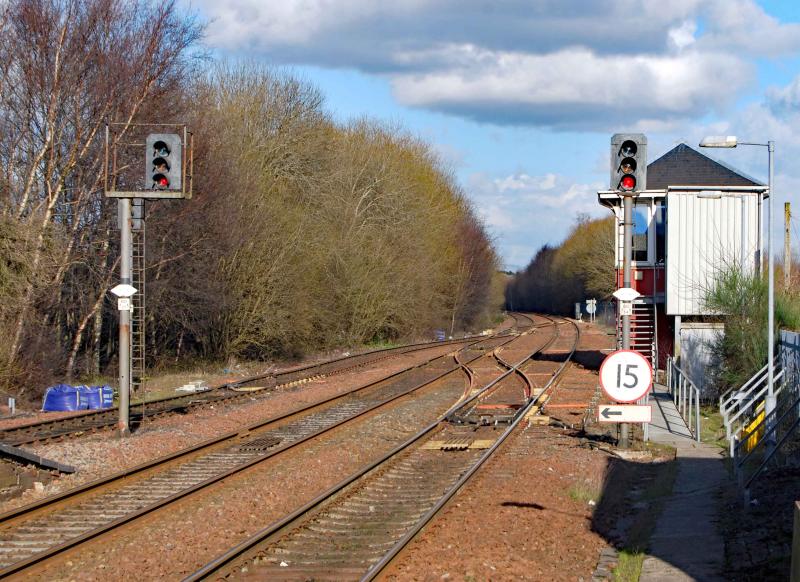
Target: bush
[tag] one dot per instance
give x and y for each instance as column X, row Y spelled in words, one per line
column 741, row 297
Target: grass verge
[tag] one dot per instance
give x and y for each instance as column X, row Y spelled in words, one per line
column 712, row 429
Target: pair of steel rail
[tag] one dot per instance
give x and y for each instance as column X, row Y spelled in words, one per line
column 235, row 443
column 256, row 549
column 94, row 420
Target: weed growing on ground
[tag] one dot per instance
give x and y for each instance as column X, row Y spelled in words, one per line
column 657, row 489
column 585, row 491
column 629, row 566
column 712, row 428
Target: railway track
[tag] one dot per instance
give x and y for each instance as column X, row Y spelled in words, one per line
column 90, row 421
column 355, row 529
column 33, row 534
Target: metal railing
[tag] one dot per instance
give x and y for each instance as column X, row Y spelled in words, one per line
column 686, row 397
column 726, row 398
column 645, row 401
column 758, row 440
column 738, row 407
column 751, row 454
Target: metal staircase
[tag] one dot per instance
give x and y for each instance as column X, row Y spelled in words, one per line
column 644, row 326
column 755, row 438
column 644, row 330
column 138, row 337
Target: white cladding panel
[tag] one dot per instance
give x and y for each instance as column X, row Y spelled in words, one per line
column 707, row 231
column 697, row 351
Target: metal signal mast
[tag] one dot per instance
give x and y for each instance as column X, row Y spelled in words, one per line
column 168, row 165
column 628, row 178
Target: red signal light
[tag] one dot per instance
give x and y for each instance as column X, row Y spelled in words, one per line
column 163, row 182
column 628, row 182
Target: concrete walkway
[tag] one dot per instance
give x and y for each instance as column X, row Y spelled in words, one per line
column 685, row 544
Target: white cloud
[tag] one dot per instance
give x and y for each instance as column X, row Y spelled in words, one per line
column 785, row 100
column 328, row 29
column 744, row 27
column 567, row 64
column 525, row 182
column 683, row 35
column 575, row 87
column 242, row 23
column 526, row 211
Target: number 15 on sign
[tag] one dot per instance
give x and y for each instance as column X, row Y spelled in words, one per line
column 626, row 376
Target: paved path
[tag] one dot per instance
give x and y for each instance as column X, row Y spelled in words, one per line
column 685, row 544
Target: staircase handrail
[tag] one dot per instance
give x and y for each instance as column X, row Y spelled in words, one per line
column 741, row 395
column 729, row 391
column 746, row 436
column 772, row 428
column 728, row 422
column 655, row 334
column 685, row 395
column 724, row 403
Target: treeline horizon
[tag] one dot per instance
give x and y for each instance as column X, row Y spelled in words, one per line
column 303, row 233
column 556, row 278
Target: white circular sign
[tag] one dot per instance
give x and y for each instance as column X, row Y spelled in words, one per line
column 626, row 376
column 591, row 308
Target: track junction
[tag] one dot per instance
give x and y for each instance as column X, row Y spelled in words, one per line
column 359, row 525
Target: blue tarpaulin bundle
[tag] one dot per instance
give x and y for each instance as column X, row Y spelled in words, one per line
column 61, row 397
column 65, row 397
column 106, row 396
column 97, row 396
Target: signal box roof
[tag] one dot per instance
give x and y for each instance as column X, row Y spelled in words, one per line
column 684, row 166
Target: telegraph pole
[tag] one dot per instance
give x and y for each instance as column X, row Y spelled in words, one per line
column 787, row 246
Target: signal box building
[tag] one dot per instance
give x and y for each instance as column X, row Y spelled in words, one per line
column 695, row 217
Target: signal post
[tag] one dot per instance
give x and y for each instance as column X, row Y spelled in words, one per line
column 167, row 175
column 628, row 178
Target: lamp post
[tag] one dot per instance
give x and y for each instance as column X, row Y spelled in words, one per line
column 730, row 141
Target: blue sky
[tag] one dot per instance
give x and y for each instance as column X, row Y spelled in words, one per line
column 520, row 98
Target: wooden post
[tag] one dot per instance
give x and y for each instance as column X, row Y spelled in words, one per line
column 787, row 247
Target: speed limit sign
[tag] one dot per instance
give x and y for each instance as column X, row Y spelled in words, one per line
column 626, row 376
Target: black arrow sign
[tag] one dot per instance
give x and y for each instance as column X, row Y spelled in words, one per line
column 607, row 412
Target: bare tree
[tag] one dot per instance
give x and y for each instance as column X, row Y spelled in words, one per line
column 66, row 68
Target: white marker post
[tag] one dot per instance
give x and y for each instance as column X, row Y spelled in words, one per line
column 626, row 295
column 124, row 292
column 591, row 308
column 625, row 377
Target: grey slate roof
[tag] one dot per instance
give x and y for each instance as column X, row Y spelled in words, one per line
column 684, row 166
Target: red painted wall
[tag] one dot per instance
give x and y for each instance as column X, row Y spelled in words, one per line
column 652, row 282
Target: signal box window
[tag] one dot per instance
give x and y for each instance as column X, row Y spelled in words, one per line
column 660, row 218
column 641, row 226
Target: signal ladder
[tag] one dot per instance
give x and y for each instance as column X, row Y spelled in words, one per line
column 644, row 330
column 138, row 336
column 644, row 327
